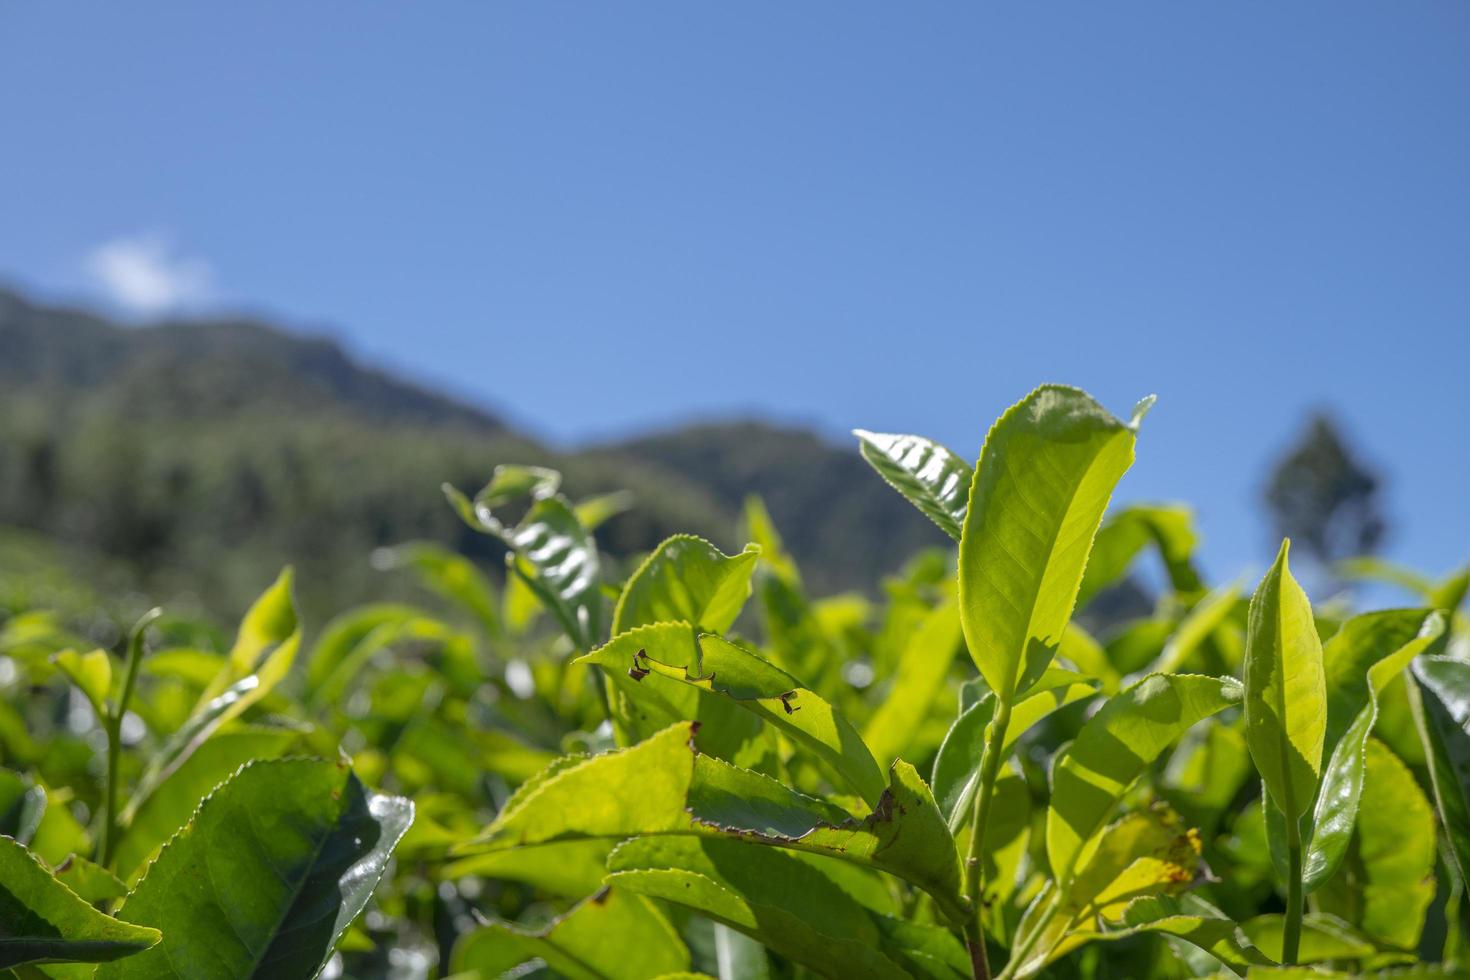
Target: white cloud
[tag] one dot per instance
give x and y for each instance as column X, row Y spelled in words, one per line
column 147, row 276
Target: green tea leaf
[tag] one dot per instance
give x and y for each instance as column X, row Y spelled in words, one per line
column 614, row 935
column 663, row 786
column 920, row 676
column 788, row 902
column 573, row 869
column 1194, row 629
column 150, row 820
column 269, row 626
column 272, row 869
column 92, row 675
column 1043, row 481
column 687, row 579
column 553, row 552
column 214, row 715
column 92, row 882
column 714, row 664
column 1126, row 735
column 1387, row 882
column 43, row 921
column 1126, row 533
column 1286, row 690
column 1359, row 661
column 1442, row 711
column 928, row 475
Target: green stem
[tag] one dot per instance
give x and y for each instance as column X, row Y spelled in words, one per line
column 1291, row 939
column 990, row 760
column 112, row 724
column 1026, row 943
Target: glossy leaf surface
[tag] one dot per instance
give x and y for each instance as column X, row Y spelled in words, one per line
column 1286, row 690
column 928, row 475
column 1359, row 661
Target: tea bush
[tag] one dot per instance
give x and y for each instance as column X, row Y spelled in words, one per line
column 599, row 772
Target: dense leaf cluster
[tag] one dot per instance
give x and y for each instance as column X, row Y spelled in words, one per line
column 691, row 765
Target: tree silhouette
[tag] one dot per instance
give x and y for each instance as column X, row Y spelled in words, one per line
column 1325, row 498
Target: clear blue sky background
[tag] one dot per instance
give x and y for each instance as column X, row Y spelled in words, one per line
column 607, row 217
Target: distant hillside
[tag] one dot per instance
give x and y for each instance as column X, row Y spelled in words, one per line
column 205, row 454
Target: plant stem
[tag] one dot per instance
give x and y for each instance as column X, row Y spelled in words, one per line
column 990, row 760
column 1022, row 949
column 112, row 724
column 1291, row 938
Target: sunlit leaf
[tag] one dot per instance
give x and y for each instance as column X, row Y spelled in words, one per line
column 1043, row 481
column 1387, row 882
column 687, row 579
column 1359, row 661
column 1286, row 690
column 920, row 676
column 92, row 882
column 928, row 475
column 91, row 673
column 1126, row 735
column 1127, row 532
column 662, row 786
column 613, row 935
column 716, row 665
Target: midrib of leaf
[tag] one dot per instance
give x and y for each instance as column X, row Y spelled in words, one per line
column 1283, row 742
column 1068, row 517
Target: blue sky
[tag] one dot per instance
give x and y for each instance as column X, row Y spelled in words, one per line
column 601, row 218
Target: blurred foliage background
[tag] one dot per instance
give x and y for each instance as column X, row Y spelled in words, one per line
column 186, row 462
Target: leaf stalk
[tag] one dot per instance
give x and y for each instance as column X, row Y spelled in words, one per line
column 990, row 760
column 1291, row 938
column 112, row 725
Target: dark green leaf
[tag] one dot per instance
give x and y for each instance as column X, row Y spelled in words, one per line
column 272, row 869
column 43, row 921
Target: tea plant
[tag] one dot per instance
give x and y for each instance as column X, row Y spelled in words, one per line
column 645, row 774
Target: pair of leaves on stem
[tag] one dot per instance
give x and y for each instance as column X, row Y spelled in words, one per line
column 1032, row 508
